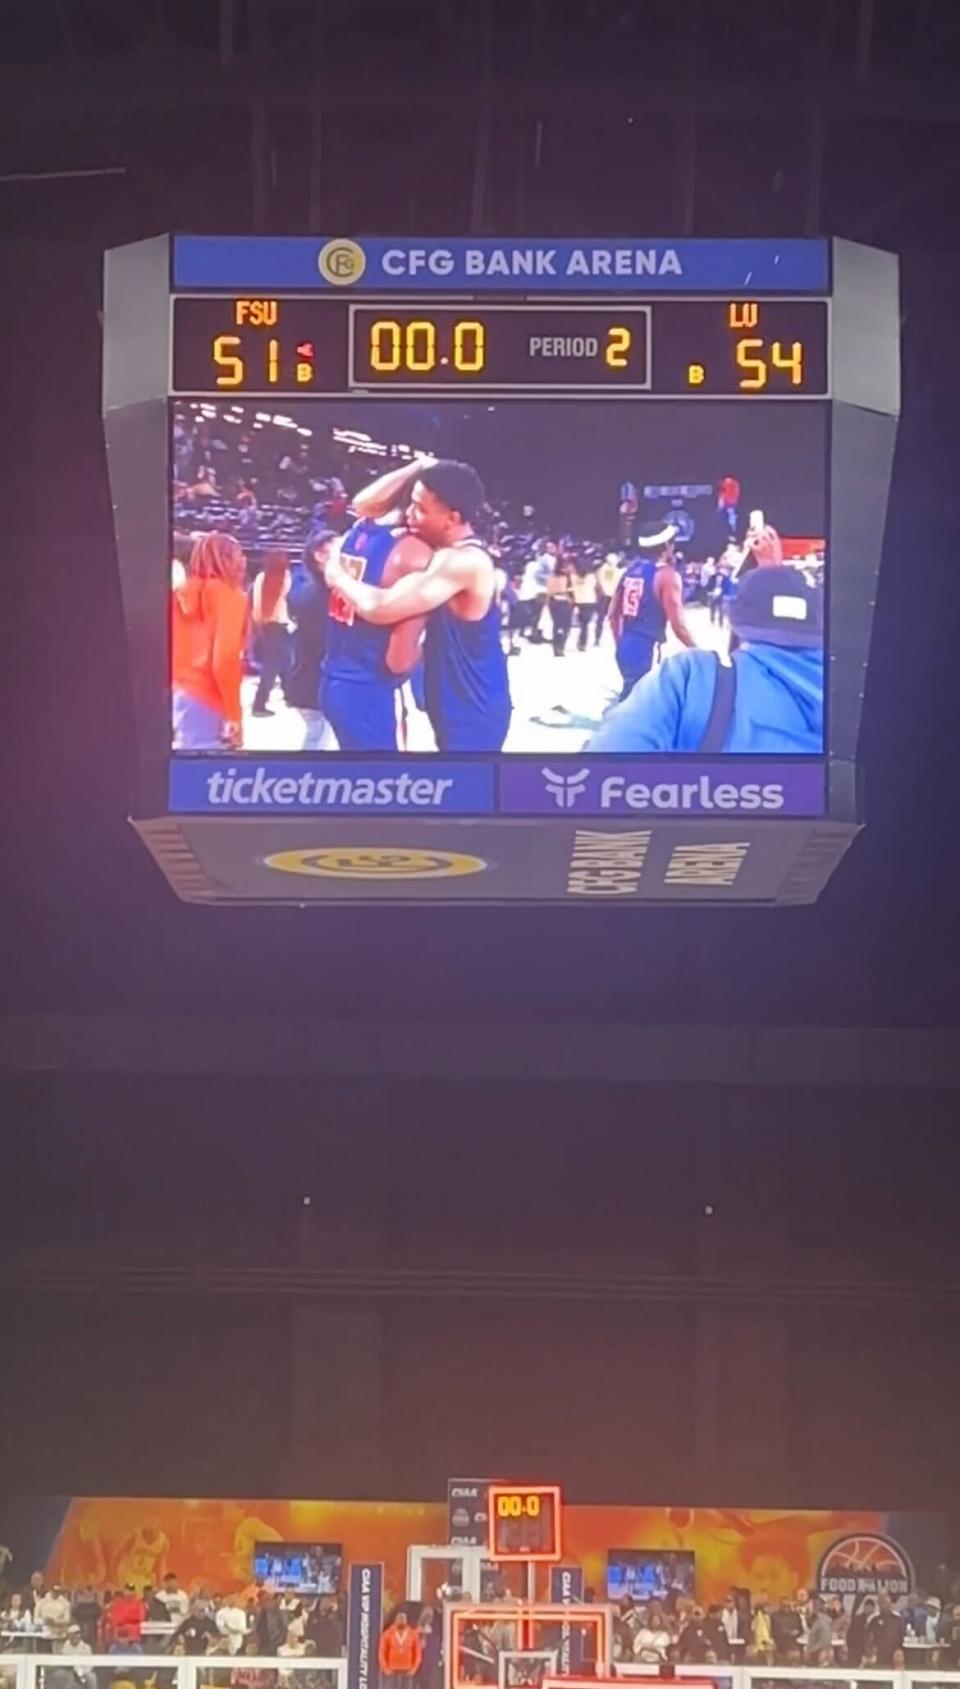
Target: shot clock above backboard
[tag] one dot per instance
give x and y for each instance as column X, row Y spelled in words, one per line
column 524, row 1522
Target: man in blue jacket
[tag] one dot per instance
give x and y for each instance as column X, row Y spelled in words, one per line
column 770, row 699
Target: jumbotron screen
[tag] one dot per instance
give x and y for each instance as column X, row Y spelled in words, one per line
column 477, row 577
column 499, row 569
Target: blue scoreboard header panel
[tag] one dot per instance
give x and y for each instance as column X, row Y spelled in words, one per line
column 483, row 570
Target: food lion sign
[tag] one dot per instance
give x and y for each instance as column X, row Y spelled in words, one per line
column 864, row 1564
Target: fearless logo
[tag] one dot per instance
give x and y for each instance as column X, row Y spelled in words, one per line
column 565, row 789
column 864, row 1564
column 619, row 794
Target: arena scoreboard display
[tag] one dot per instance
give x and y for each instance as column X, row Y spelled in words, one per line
column 481, row 570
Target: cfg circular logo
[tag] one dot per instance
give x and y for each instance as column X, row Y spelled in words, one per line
column 341, row 262
column 370, row 863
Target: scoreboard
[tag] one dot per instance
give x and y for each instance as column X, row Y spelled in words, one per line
column 696, row 348
column 479, row 570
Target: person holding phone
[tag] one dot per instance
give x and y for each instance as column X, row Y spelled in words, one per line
column 762, row 547
column 768, row 699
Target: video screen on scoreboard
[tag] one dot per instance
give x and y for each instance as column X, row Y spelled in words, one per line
column 531, row 577
column 649, row 1574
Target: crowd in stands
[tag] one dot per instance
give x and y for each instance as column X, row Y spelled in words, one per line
column 168, row 1620
column 809, row 1630
column 918, row 1630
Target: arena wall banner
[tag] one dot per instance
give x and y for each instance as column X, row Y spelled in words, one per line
column 467, row 1511
column 566, row 1587
column 112, row 1540
column 864, row 1565
column 364, row 1622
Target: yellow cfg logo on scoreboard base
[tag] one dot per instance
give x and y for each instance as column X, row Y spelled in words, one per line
column 376, row 863
column 341, row 262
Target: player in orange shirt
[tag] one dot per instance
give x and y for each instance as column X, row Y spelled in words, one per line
column 208, row 635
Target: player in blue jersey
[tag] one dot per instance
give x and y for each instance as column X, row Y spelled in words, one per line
column 363, row 664
column 648, row 598
column 465, row 670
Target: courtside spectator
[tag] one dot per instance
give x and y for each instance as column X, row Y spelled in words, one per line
column 231, row 1622
column 175, row 1599
column 696, row 1639
column 250, row 1677
column 270, row 1625
column 431, row 1643
column 87, row 1612
column 787, row 1627
column 156, row 1611
column 819, row 1644
column 608, row 579
column 307, row 603
column 16, row 1615
column 730, row 1619
column 653, row 1638
column 271, row 622
column 885, row 1632
column 949, row 1637
column 761, row 1633
column 585, row 598
column 52, row 1612
column 839, row 1625
column 716, row 1634
column 857, row 1629
column 209, row 627
column 401, row 1648
column 123, row 1622
column 926, row 1619
column 75, row 1650
column 325, row 1628
column 33, row 1591
column 198, row 1629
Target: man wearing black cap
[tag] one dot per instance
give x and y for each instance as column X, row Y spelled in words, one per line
column 650, row 595
column 769, row 700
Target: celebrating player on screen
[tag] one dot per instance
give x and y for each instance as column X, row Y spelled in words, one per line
column 465, row 670
column 649, row 596
column 364, row 665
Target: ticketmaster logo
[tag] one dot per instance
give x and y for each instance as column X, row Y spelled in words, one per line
column 565, row 789
column 260, row 789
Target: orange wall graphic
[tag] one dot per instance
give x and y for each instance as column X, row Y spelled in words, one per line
column 209, row 1543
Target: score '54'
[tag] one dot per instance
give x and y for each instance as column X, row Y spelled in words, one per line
column 760, row 361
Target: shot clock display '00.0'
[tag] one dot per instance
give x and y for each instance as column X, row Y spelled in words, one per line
column 524, row 1522
column 653, row 427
